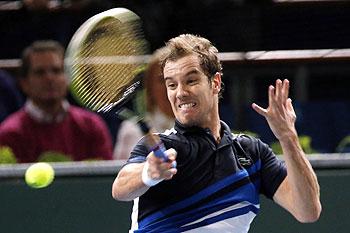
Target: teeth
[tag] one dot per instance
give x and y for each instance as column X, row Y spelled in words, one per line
column 188, row 105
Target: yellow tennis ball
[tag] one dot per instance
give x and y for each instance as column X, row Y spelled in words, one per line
column 39, row 175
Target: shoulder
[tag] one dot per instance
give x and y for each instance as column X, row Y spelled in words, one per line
column 172, row 137
column 86, row 121
column 248, row 141
column 245, row 139
column 15, row 121
column 82, row 114
column 14, row 127
column 251, row 145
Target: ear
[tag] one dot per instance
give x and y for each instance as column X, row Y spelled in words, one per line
column 23, row 84
column 217, row 83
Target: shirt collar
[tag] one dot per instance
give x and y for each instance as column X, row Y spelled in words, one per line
column 226, row 131
column 227, row 136
column 187, row 129
column 39, row 115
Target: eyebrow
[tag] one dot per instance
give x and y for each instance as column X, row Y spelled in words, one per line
column 193, row 71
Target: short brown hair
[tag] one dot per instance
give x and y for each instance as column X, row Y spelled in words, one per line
column 188, row 44
column 39, row 46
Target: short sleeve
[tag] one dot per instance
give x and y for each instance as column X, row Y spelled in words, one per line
column 272, row 170
column 139, row 152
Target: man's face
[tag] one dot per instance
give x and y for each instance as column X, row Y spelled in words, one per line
column 193, row 98
column 46, row 82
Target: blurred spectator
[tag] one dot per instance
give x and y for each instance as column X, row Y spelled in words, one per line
column 158, row 114
column 48, row 128
column 93, row 5
column 11, row 98
column 37, row 5
column 79, row 5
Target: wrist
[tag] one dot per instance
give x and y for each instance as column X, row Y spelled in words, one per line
column 146, row 179
column 288, row 137
column 290, row 143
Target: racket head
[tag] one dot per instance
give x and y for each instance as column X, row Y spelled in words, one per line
column 104, row 56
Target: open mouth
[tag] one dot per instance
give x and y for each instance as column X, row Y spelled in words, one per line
column 186, row 106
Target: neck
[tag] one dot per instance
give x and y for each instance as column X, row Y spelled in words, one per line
column 216, row 131
column 52, row 109
column 214, row 123
column 47, row 114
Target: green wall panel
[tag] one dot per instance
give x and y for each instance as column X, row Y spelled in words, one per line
column 83, row 204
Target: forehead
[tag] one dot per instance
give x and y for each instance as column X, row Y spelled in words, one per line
column 182, row 66
column 45, row 58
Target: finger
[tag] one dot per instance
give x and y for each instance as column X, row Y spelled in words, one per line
column 153, row 159
column 291, row 109
column 278, row 91
column 271, row 94
column 173, row 171
column 170, row 173
column 285, row 90
column 290, row 105
column 165, row 166
column 259, row 109
column 171, row 153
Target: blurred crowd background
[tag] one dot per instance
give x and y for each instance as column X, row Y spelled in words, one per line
column 320, row 89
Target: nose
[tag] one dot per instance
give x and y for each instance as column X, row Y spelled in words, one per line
column 55, row 71
column 181, row 91
column 48, row 74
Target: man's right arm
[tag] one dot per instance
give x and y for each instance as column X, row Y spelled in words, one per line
column 131, row 180
column 128, row 184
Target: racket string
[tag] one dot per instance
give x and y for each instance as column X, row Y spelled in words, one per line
column 102, row 67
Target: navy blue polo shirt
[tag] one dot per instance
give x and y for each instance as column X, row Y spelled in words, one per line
column 217, row 186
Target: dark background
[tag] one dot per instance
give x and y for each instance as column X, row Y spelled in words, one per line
column 320, row 89
column 233, row 25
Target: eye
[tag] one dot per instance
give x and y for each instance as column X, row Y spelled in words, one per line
column 57, row 70
column 38, row 72
column 170, row 85
column 192, row 81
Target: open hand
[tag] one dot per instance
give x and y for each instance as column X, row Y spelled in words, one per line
column 280, row 113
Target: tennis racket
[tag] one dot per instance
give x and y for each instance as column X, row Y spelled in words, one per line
column 103, row 61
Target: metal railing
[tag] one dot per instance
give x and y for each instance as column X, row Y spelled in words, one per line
column 252, row 56
column 111, row 168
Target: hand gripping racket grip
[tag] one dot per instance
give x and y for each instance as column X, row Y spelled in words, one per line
column 159, row 150
column 156, row 145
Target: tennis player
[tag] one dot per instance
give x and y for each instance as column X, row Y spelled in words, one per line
column 219, row 176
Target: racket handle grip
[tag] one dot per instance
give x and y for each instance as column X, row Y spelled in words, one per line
column 159, row 152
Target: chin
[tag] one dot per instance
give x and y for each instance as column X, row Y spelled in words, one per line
column 188, row 122
column 51, row 100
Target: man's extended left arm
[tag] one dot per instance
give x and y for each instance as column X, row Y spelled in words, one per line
column 299, row 193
